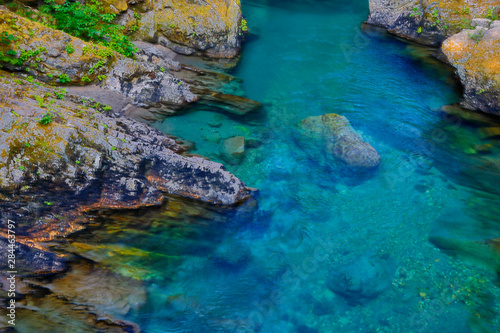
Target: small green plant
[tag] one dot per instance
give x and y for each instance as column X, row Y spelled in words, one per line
column 172, row 25
column 162, row 69
column 6, row 38
column 48, row 203
column 46, row 119
column 419, row 30
column 21, row 168
column 113, row 148
column 64, row 78
column 415, row 12
column 477, row 37
column 40, row 100
column 243, row 25
column 69, row 48
column 85, row 78
column 492, row 13
column 480, row 91
column 101, row 77
column 107, row 108
column 60, row 93
column 77, row 162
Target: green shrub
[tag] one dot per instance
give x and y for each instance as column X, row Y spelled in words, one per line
column 64, row 78
column 87, row 22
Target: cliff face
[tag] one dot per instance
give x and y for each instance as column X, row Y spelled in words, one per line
column 465, row 30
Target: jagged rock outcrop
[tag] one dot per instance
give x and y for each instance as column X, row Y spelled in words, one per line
column 43, row 53
column 428, row 22
column 339, row 139
column 92, row 159
column 474, row 53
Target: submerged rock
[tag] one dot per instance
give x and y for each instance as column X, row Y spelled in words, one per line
column 362, row 280
column 336, row 134
column 233, row 149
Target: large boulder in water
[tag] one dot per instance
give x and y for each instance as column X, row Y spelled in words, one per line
column 340, row 140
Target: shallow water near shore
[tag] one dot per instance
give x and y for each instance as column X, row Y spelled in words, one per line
column 408, row 248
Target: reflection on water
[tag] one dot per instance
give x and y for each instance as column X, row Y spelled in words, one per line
column 409, row 248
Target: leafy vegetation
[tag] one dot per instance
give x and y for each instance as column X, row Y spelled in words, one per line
column 88, row 22
column 6, row 38
column 492, row 13
column 477, row 37
column 70, row 49
column 243, row 25
column 64, row 78
column 46, row 119
column 416, row 12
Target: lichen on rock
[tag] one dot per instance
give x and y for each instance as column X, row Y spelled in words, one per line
column 474, row 53
column 210, row 26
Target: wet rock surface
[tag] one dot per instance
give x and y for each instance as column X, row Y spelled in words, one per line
column 336, row 135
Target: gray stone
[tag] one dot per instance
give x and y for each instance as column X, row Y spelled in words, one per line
column 233, row 149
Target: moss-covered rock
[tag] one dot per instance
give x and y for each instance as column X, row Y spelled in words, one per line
column 474, row 53
column 428, row 22
column 212, row 27
column 58, row 58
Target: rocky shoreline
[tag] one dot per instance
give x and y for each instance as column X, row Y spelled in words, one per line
column 74, row 132
column 467, row 33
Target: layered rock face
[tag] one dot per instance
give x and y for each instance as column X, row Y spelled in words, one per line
column 340, row 140
column 467, row 32
column 60, row 147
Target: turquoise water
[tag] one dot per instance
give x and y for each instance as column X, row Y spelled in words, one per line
column 324, row 249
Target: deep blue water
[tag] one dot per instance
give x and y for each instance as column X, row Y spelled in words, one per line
column 324, row 249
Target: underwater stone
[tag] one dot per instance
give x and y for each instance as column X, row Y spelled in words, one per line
column 234, row 149
column 361, row 280
column 340, row 140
